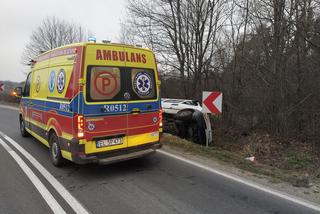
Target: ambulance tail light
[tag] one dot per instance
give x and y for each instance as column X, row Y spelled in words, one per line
column 160, row 118
column 80, row 122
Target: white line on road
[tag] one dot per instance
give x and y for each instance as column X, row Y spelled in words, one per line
column 53, row 204
column 65, row 194
column 248, row 183
column 9, row 107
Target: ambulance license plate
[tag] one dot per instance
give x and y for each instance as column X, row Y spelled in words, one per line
column 109, row 142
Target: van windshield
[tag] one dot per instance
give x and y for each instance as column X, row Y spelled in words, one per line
column 111, row 83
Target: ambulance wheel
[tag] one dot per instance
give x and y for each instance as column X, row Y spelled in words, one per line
column 55, row 151
column 23, row 130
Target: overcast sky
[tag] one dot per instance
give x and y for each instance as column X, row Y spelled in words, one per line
column 18, row 19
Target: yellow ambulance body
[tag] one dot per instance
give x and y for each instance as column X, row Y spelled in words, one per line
column 91, row 102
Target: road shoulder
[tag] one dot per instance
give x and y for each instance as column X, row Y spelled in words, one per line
column 310, row 194
column 11, row 107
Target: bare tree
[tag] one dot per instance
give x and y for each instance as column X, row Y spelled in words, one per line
column 263, row 54
column 51, row 33
column 182, row 33
column 270, row 78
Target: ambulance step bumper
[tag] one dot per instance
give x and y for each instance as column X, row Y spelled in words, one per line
column 119, row 155
column 125, row 157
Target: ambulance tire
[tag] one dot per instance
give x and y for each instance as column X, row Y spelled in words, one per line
column 55, row 151
column 23, row 130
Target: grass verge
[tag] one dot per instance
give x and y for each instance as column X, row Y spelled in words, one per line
column 275, row 173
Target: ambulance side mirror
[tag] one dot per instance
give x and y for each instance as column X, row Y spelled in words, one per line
column 17, row 92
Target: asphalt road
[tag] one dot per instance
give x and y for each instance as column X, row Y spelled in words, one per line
column 154, row 184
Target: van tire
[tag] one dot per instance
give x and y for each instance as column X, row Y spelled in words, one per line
column 55, row 151
column 181, row 128
column 184, row 115
column 199, row 133
column 23, row 130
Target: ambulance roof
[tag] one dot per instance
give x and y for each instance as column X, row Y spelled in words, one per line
column 92, row 43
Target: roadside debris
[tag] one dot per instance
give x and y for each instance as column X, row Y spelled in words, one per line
column 252, row 159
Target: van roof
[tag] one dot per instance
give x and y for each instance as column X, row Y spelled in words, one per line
column 93, row 43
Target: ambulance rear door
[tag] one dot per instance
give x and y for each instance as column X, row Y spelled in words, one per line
column 143, row 104
column 106, row 105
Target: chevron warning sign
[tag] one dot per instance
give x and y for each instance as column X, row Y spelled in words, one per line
column 1, row 87
column 212, row 102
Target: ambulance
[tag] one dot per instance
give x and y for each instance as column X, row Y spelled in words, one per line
column 93, row 103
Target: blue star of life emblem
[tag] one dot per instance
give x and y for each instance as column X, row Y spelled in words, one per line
column 142, row 84
column 61, row 81
column 52, row 79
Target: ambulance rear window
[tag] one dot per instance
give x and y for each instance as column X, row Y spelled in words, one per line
column 142, row 84
column 112, row 83
column 105, row 84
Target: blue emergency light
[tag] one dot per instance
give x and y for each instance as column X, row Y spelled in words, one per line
column 92, row 39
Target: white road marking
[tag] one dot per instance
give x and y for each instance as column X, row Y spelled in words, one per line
column 65, row 194
column 248, row 183
column 9, row 107
column 47, row 196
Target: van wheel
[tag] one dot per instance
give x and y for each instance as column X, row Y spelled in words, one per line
column 55, row 151
column 184, row 115
column 23, row 130
column 198, row 129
